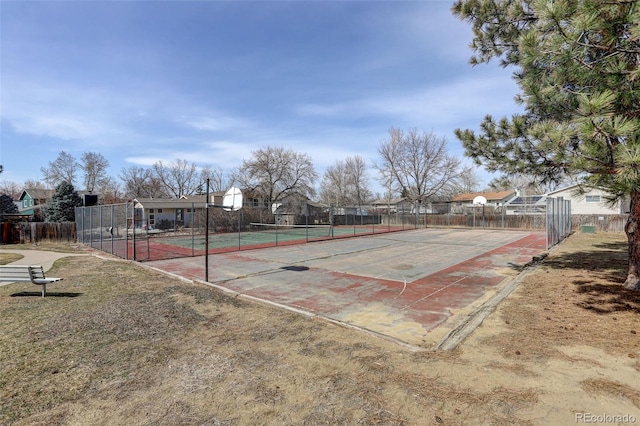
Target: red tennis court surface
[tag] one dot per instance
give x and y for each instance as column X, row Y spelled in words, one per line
column 411, row 286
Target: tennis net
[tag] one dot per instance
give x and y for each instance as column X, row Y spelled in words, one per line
column 284, row 232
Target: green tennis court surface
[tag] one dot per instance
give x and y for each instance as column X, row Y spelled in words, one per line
column 270, row 235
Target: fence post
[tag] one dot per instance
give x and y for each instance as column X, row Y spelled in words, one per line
column 100, row 226
column 133, row 232
column 546, row 231
column 90, row 231
column 111, row 228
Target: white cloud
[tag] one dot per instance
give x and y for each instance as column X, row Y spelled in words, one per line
column 438, row 105
column 143, row 161
column 224, row 154
column 212, row 122
column 61, row 111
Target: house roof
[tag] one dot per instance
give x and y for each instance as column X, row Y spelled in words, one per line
column 528, row 200
column 45, row 194
column 37, row 193
column 164, row 203
column 576, row 187
column 384, row 202
column 490, row 196
column 186, row 202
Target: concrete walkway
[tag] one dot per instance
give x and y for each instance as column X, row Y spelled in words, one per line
column 37, row 257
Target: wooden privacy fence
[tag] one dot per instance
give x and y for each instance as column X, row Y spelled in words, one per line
column 489, row 221
column 34, row 232
column 602, row 223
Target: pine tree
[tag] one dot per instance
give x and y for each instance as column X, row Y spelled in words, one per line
column 63, row 203
column 577, row 68
column 7, row 205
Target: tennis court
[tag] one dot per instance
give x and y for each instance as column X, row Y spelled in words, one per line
column 148, row 245
column 412, row 286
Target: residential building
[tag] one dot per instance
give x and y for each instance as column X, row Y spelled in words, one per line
column 591, row 201
column 465, row 203
column 32, row 201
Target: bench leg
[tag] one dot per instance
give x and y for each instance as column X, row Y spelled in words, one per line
column 44, row 289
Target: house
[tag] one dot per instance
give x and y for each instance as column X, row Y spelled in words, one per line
column 592, row 201
column 152, row 213
column 32, row 201
column 298, row 209
column 393, row 206
column 464, row 203
column 387, row 205
column 186, row 211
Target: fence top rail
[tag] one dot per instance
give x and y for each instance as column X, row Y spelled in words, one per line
column 104, row 205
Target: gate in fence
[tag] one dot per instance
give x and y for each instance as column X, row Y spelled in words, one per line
column 558, row 220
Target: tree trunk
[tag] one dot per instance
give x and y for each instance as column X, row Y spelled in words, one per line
column 632, row 229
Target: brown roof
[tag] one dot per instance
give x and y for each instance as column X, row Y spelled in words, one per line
column 38, row 194
column 384, row 202
column 490, row 196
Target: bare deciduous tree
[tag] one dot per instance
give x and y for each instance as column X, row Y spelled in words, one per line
column 277, row 172
column 34, row 184
column 179, row 177
column 466, row 182
column 334, row 188
column 11, row 188
column 63, row 169
column 417, row 165
column 94, row 166
column 110, row 191
column 358, row 179
column 346, row 182
column 219, row 180
column 140, row 182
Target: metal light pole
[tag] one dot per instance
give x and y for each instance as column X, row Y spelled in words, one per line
column 206, row 236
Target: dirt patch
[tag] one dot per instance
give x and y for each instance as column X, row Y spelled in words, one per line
column 137, row 347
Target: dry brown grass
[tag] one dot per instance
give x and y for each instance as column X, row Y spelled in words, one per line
column 612, row 388
column 8, row 258
column 117, row 344
column 575, row 296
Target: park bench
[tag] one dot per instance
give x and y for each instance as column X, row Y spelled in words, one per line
column 26, row 273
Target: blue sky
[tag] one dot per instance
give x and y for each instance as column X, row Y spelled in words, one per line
column 212, row 81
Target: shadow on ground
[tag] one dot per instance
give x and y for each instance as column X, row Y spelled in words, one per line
column 39, row 294
column 606, row 270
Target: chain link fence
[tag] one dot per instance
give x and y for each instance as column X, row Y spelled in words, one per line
column 131, row 231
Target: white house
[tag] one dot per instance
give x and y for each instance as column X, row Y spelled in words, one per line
column 592, row 201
